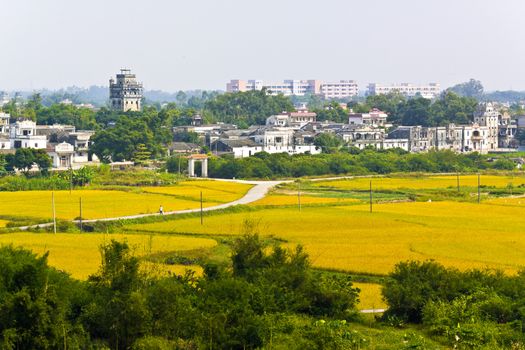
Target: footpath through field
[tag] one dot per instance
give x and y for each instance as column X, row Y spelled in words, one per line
column 258, row 191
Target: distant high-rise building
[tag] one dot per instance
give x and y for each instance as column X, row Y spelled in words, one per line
column 340, row 89
column 126, row 93
column 429, row 91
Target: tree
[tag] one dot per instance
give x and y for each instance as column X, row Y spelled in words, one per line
column 121, row 141
column 36, row 303
column 83, row 176
column 118, row 310
column 23, row 159
column 329, row 143
column 141, row 155
column 42, row 160
column 471, row 88
column 247, row 108
column 181, row 97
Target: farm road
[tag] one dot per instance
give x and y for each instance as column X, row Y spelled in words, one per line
column 258, row 191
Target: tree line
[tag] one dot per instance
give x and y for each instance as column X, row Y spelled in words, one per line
column 352, row 161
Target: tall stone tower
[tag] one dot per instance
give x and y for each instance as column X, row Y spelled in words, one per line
column 126, row 93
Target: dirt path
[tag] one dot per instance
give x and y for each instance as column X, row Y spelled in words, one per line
column 258, row 191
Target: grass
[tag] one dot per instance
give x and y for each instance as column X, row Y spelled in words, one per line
column 79, row 254
column 111, row 203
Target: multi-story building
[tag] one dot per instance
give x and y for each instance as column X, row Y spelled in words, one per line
column 430, row 90
column 22, row 134
column 363, row 136
column 375, row 118
column 4, row 123
column 340, row 89
column 284, row 140
column 296, row 119
column 125, row 93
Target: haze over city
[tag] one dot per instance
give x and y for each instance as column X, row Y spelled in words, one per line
column 202, row 45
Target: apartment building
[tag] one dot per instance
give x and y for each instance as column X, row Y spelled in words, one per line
column 429, row 91
column 340, row 89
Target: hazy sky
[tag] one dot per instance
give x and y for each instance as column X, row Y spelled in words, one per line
column 202, row 44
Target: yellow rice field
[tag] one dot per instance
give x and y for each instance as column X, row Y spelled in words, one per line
column 164, row 270
column 281, row 199
column 107, row 203
column 212, row 191
column 79, row 254
column 349, row 238
column 370, row 296
column 422, row 182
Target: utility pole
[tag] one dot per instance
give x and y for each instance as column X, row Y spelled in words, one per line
column 370, row 195
column 179, row 163
column 80, row 203
column 299, row 195
column 54, row 212
column 201, row 208
column 70, row 178
column 457, row 179
column 479, row 190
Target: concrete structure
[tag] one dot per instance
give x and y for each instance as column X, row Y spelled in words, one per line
column 301, row 117
column 126, row 93
column 4, row 123
column 457, row 138
column 284, row 140
column 363, row 136
column 375, row 118
column 22, row 134
column 296, row 119
column 486, row 115
column 62, row 155
column 340, row 89
column 429, row 91
column 203, row 159
column 240, row 148
column 81, row 141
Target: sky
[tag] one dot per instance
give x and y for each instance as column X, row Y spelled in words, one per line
column 183, row 45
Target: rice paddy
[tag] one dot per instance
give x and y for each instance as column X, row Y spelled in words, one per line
column 79, row 254
column 422, row 182
column 98, row 204
column 350, row 238
column 370, row 296
column 334, row 224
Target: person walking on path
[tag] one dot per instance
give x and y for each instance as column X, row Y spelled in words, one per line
column 161, row 210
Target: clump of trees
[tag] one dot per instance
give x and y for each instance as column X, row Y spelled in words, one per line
column 254, row 302
column 448, row 108
column 247, row 108
column 350, row 161
column 24, row 159
column 466, row 310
